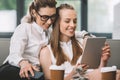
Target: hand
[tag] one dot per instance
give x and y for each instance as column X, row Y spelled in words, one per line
column 84, row 67
column 74, row 71
column 105, row 55
column 105, row 52
column 26, row 68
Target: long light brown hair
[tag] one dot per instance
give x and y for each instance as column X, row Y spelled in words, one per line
column 55, row 40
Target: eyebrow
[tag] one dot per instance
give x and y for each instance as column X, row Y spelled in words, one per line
column 70, row 18
column 47, row 15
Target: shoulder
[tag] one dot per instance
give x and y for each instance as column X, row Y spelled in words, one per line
column 23, row 26
column 22, row 30
column 44, row 55
column 44, row 52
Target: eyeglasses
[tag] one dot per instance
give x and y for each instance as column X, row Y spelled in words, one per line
column 46, row 17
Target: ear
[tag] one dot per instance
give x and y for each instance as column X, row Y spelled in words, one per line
column 34, row 13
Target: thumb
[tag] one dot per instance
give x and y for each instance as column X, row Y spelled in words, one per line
column 36, row 68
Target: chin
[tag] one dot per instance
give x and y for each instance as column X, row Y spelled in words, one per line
column 45, row 28
column 71, row 35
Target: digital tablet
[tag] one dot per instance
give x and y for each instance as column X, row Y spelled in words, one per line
column 92, row 51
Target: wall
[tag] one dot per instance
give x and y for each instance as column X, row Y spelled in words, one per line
column 4, row 48
column 116, row 28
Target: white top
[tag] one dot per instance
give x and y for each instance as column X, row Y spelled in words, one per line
column 26, row 43
column 67, row 48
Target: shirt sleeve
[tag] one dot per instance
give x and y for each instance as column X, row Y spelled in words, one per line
column 17, row 45
column 82, row 34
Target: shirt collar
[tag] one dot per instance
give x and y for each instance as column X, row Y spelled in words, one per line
column 66, row 43
column 39, row 28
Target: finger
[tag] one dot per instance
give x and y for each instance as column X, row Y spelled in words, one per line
column 106, row 43
column 106, row 54
column 31, row 72
column 22, row 75
column 26, row 74
column 106, row 47
column 36, row 68
column 86, row 67
column 78, row 64
column 105, row 51
column 83, row 65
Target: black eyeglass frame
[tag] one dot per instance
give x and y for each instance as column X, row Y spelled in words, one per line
column 46, row 17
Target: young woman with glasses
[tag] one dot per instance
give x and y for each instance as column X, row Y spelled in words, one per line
column 28, row 38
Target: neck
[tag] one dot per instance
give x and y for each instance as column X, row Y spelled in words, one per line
column 64, row 39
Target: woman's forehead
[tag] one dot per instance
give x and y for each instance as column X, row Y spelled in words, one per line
column 67, row 13
column 47, row 10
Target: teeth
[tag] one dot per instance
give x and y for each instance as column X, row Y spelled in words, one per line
column 71, row 30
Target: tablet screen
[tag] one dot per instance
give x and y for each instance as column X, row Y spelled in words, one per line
column 92, row 51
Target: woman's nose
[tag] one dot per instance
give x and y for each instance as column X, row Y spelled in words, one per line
column 72, row 24
column 49, row 21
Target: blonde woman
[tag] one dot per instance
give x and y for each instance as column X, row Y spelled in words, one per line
column 64, row 48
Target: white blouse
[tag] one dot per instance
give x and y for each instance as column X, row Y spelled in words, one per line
column 67, row 48
column 26, row 43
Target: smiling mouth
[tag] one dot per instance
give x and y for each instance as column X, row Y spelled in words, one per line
column 71, row 30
